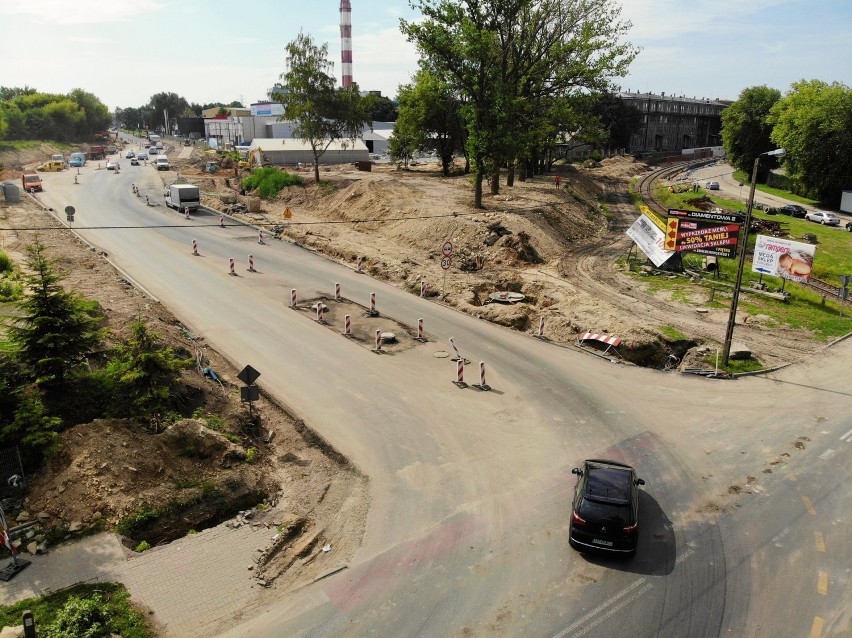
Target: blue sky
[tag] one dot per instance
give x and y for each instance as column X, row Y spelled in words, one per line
column 124, row 51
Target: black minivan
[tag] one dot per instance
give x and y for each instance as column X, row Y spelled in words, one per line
column 605, row 513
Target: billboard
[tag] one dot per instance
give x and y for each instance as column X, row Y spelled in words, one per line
column 650, row 240
column 791, row 260
column 705, row 232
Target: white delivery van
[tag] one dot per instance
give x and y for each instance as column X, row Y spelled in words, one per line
column 162, row 163
column 183, row 196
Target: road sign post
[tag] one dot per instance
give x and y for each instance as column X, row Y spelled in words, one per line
column 446, row 262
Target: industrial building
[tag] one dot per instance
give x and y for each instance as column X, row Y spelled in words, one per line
column 290, row 152
column 673, row 123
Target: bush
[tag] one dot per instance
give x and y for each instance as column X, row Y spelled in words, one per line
column 251, row 455
column 141, row 547
column 80, row 618
column 5, row 262
column 268, row 181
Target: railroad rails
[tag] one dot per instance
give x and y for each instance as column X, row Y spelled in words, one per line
column 645, row 187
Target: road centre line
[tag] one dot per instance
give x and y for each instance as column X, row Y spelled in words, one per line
column 816, row 627
column 600, row 608
column 809, row 505
column 820, row 542
column 822, row 583
column 847, row 437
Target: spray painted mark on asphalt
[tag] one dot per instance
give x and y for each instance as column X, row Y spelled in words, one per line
column 847, row 438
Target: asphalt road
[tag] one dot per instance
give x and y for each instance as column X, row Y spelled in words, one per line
column 471, row 490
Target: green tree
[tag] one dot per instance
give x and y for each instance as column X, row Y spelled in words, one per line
column 813, row 123
column 322, row 113
column 97, row 115
column 170, row 102
column 508, row 60
column 56, row 328
column 745, row 126
column 31, row 427
column 4, row 125
column 148, row 373
column 431, row 116
column 380, row 108
column 11, row 92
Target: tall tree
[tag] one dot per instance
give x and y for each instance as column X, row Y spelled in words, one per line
column 322, row 112
column 745, row 126
column 429, row 108
column 813, row 123
column 173, row 103
column 56, row 329
column 380, row 108
column 508, row 59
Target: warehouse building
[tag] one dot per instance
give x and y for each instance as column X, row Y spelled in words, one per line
column 290, row 152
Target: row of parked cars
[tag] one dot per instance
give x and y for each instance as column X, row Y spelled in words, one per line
column 823, row 217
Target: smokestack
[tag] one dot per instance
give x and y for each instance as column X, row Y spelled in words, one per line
column 346, row 41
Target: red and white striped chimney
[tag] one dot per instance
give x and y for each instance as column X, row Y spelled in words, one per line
column 346, row 41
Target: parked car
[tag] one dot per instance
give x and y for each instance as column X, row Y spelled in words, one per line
column 130, row 154
column 823, row 217
column 793, row 210
column 713, row 186
column 605, row 514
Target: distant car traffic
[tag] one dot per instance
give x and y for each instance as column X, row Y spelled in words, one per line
column 823, row 217
column 111, row 166
column 130, row 154
column 605, row 513
column 142, row 156
column 713, row 186
column 152, row 151
column 134, row 161
column 793, row 210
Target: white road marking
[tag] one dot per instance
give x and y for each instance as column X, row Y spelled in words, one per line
column 847, row 437
column 580, row 625
column 827, row 454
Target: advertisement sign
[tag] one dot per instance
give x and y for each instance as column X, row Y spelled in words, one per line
column 706, row 237
column 650, row 240
column 791, row 260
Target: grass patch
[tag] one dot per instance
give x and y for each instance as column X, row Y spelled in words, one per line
column 672, row 334
column 23, row 145
column 113, row 601
column 268, row 181
column 744, row 178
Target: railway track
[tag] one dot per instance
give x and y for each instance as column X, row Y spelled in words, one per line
column 645, row 187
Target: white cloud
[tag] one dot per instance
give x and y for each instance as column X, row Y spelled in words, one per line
column 78, row 11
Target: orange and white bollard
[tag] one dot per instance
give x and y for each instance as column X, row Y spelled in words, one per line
column 186, row 212
column 358, row 265
column 456, row 350
column 482, row 384
column 337, row 292
column 260, row 238
column 373, row 304
column 251, row 263
column 347, row 326
column 221, row 221
column 231, row 262
column 420, row 336
column 423, row 287
column 459, row 373
column 195, row 247
column 319, row 312
column 293, row 298
column 378, row 340
column 541, row 327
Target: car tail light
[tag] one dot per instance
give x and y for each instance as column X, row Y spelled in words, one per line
column 631, row 529
column 576, row 519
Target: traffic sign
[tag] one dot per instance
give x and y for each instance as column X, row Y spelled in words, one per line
column 447, row 250
column 69, row 213
column 446, row 262
column 248, row 375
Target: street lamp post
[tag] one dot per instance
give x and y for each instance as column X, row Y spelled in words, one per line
column 729, row 331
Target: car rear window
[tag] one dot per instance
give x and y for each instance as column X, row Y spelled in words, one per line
column 597, row 511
